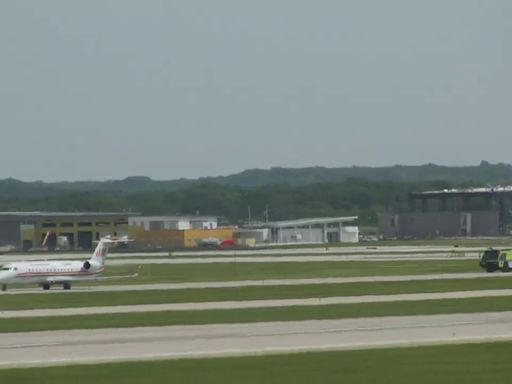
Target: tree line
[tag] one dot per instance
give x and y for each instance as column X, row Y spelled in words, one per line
column 353, row 197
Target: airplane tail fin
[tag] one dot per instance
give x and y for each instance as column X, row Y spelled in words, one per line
column 100, row 253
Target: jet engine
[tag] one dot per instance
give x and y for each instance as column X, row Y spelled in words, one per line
column 87, row 265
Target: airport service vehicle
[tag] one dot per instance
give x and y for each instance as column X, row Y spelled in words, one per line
column 47, row 273
column 493, row 259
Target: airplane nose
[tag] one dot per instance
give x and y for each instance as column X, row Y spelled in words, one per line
column 4, row 275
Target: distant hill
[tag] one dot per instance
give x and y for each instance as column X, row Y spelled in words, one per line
column 485, row 173
column 482, row 174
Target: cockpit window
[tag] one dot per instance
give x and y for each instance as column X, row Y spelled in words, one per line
column 5, row 268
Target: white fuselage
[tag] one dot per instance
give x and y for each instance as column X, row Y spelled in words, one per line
column 48, row 272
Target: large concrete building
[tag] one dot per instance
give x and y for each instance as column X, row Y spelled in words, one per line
column 27, row 230
column 472, row 212
column 315, row 230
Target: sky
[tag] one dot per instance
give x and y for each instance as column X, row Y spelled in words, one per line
column 105, row 89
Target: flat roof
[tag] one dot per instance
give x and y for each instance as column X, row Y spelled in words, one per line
column 302, row 222
column 37, row 214
column 174, row 218
column 480, row 191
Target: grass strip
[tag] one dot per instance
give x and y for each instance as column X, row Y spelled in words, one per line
column 174, row 273
column 251, row 315
column 451, row 364
column 91, row 299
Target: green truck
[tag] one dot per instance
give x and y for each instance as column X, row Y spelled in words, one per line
column 493, row 259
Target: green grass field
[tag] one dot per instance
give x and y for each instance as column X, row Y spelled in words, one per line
column 229, row 316
column 452, row 364
column 169, row 273
column 85, row 299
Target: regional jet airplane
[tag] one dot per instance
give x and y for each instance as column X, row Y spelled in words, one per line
column 47, row 273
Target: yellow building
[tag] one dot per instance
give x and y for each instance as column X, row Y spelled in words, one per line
column 27, row 230
column 177, row 238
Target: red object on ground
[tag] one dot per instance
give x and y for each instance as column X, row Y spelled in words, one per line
column 227, row 243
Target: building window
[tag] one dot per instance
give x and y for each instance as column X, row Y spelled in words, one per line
column 48, row 225
column 66, row 224
column 84, row 224
column 156, row 225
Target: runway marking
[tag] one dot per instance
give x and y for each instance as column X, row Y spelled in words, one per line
column 21, row 346
column 366, row 329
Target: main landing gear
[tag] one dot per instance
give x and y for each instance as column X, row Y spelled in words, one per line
column 47, row 286
column 4, row 287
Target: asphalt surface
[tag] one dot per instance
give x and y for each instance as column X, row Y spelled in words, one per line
column 286, row 259
column 254, row 303
column 354, row 251
column 152, row 343
column 336, row 250
column 260, row 283
column 269, row 259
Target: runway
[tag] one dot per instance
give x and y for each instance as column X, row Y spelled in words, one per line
column 287, row 259
column 152, row 343
column 332, row 250
column 208, row 256
column 275, row 259
column 260, row 283
column 217, row 305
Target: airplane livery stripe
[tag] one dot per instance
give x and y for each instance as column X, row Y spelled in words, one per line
column 75, row 273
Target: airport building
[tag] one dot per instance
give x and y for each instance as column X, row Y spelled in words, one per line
column 315, row 230
column 472, row 212
column 173, row 222
column 174, row 232
column 28, row 230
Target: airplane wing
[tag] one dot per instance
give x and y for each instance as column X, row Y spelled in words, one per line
column 115, row 277
column 60, row 279
column 135, row 274
column 67, row 279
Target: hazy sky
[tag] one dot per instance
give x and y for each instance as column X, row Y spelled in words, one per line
column 98, row 89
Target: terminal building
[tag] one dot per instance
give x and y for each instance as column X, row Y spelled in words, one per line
column 316, row 230
column 472, row 212
column 28, row 230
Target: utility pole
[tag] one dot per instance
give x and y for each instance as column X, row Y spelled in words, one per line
column 249, row 213
column 266, row 213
